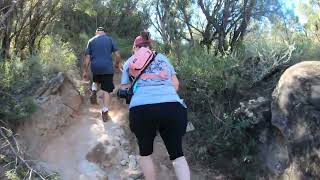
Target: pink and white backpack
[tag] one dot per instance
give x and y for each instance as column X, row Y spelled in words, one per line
column 142, row 57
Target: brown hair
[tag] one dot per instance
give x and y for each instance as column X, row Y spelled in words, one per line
column 145, row 35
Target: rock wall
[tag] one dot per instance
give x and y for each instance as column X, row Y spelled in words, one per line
column 58, row 103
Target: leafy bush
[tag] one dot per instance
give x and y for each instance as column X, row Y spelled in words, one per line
column 224, row 143
column 259, row 57
column 261, row 54
column 56, row 56
column 20, row 78
column 125, row 46
column 211, row 87
column 208, row 80
column 306, row 48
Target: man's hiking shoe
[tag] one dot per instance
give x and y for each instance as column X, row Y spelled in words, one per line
column 93, row 97
column 105, row 116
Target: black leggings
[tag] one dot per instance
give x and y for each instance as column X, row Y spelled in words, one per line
column 170, row 119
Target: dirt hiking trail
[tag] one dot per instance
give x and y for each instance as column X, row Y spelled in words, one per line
column 90, row 149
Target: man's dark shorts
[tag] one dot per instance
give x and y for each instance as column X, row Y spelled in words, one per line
column 105, row 80
column 170, row 119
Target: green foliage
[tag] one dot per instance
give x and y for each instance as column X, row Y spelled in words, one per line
column 210, row 85
column 306, row 48
column 18, row 80
column 310, row 18
column 78, row 21
column 125, row 48
column 124, row 45
column 224, row 143
column 12, row 175
column 207, row 77
column 56, row 56
column 19, row 171
column 260, row 56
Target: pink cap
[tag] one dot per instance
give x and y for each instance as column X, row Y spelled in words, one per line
column 139, row 41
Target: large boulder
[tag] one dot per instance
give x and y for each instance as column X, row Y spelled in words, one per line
column 296, row 114
column 287, row 128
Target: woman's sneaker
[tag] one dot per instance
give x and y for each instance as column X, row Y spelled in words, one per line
column 105, row 116
column 93, row 97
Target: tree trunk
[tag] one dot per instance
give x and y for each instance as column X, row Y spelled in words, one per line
column 5, row 47
column 6, row 20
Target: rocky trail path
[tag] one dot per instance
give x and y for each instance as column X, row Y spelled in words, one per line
column 92, row 149
column 89, row 149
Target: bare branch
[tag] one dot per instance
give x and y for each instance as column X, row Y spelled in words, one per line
column 16, row 152
column 7, row 14
column 189, row 24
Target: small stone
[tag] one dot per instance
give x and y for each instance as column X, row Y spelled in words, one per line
column 132, row 162
column 135, row 174
column 116, row 143
column 123, row 142
column 123, row 162
column 261, row 99
column 251, row 101
column 278, row 166
column 163, row 167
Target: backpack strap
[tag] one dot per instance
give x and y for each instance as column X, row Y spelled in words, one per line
column 136, row 79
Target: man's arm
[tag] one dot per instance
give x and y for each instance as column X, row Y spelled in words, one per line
column 125, row 80
column 118, row 59
column 86, row 67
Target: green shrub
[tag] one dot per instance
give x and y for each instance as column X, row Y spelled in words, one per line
column 260, row 54
column 20, row 171
column 259, row 57
column 306, row 49
column 224, row 143
column 125, row 47
column 57, row 56
column 210, row 87
column 19, row 80
column 207, row 79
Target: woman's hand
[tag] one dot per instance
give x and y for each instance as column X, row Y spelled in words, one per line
column 125, row 86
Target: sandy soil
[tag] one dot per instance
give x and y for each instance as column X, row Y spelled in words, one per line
column 89, row 149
